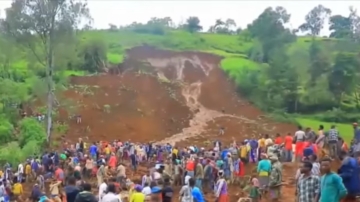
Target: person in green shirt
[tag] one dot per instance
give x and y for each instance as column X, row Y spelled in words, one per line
column 332, row 188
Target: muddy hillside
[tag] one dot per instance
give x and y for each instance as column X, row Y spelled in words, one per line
column 164, row 96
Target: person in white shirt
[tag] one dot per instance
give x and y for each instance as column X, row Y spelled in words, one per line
column 102, row 189
column 20, row 172
column 111, row 195
column 299, row 138
column 146, row 190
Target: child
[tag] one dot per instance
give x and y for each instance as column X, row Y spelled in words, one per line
column 254, row 189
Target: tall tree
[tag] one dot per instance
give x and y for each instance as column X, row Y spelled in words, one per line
column 319, row 62
column 230, row 23
column 282, row 81
column 314, row 20
column 46, row 22
column 340, row 27
column 355, row 23
column 193, row 24
column 269, row 29
column 165, row 22
column 344, row 73
column 218, row 23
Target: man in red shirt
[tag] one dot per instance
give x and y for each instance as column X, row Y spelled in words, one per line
column 59, row 174
column 278, row 139
column 288, row 142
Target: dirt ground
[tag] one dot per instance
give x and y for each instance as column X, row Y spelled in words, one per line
column 178, row 97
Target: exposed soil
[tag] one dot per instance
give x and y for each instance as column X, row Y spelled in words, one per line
column 165, row 96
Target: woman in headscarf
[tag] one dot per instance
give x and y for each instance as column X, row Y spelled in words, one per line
column 263, row 170
column 221, row 189
column 275, row 179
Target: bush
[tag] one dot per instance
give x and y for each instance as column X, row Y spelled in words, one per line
column 94, row 55
column 156, row 29
column 12, row 152
column 6, row 130
column 31, row 130
column 337, row 116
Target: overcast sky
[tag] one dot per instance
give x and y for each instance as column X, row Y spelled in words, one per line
column 121, row 12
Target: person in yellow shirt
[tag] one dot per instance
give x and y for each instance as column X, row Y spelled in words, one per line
column 244, row 151
column 107, row 150
column 137, row 196
column 262, row 145
column 27, row 172
column 17, row 188
column 175, row 151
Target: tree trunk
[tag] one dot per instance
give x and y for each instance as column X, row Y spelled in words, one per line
column 49, row 75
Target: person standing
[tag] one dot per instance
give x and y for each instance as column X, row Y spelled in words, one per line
column 288, row 141
column 199, row 174
column 86, row 195
column 349, row 172
column 263, row 170
column 356, row 138
column 221, row 188
column 331, row 185
column 195, row 192
column 332, row 137
column 299, row 139
column 308, row 185
column 275, row 179
column 100, row 174
column 320, row 141
column 71, row 190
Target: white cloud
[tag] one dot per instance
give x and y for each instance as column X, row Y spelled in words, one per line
column 121, row 12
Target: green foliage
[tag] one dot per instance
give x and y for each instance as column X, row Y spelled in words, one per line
column 6, row 130
column 31, row 130
column 11, row 153
column 14, row 154
column 94, row 55
column 192, row 24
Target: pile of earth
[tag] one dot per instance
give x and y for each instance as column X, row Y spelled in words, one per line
column 164, row 96
column 172, row 97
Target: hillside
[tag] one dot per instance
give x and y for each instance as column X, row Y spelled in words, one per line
column 235, row 52
column 234, row 58
column 165, row 96
column 155, row 80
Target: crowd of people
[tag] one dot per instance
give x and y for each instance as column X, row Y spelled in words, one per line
column 67, row 175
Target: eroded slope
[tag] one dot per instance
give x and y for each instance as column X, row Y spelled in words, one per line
column 168, row 97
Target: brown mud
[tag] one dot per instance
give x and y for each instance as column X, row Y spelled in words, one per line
column 172, row 97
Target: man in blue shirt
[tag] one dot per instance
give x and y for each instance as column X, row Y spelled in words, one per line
column 93, row 151
column 195, row 192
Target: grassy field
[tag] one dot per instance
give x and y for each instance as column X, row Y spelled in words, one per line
column 346, row 130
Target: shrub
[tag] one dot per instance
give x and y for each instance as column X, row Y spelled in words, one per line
column 31, row 130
